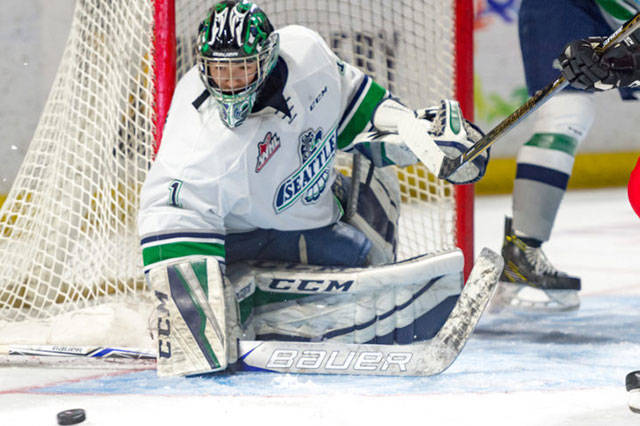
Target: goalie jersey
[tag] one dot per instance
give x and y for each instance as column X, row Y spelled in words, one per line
column 273, row 172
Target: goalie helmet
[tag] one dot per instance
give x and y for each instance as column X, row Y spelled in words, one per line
column 237, row 49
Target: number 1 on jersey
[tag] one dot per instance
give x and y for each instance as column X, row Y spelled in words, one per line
column 174, row 193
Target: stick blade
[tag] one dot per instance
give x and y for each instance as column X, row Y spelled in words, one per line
column 449, row 166
column 475, row 296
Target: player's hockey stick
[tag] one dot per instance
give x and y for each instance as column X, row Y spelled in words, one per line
column 103, row 357
column 418, row 359
column 101, row 352
column 450, row 165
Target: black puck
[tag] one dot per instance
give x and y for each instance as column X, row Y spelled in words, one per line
column 71, row 417
column 633, row 380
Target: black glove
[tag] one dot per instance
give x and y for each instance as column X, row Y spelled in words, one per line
column 586, row 69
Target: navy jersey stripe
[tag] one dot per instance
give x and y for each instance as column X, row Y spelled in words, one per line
column 173, row 235
column 354, row 100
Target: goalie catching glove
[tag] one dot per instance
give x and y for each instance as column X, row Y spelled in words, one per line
column 584, row 68
column 445, row 126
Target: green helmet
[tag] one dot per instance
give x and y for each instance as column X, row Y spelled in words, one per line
column 237, row 49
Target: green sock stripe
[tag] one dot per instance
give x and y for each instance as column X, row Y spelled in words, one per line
column 362, row 115
column 555, row 141
column 615, row 9
column 174, row 250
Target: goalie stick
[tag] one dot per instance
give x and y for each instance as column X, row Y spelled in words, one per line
column 417, row 359
column 448, row 166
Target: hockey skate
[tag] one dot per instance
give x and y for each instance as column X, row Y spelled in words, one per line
column 529, row 283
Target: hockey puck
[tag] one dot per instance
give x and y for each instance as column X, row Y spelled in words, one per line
column 632, row 382
column 71, row 417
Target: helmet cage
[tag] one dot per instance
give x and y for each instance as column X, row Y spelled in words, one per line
column 237, row 49
column 232, row 78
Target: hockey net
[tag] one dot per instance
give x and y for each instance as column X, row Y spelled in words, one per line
column 70, row 263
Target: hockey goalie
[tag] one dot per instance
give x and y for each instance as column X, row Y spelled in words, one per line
column 243, row 225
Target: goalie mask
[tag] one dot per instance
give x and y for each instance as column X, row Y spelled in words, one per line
column 237, row 49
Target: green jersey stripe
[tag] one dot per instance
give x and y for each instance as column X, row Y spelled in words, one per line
column 362, row 115
column 162, row 252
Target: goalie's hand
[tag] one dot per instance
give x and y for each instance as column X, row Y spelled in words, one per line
column 454, row 135
column 428, row 135
column 584, row 68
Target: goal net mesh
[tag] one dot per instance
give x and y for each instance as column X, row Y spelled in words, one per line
column 68, row 235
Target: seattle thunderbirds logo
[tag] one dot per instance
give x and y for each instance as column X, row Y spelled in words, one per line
column 316, row 151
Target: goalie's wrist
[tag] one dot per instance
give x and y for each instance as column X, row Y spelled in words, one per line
column 389, row 113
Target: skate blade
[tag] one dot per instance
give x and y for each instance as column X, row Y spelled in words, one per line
column 523, row 298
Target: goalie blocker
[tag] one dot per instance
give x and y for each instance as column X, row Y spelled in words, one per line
column 199, row 325
column 430, row 135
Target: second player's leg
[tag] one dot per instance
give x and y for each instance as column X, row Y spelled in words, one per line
column 545, row 161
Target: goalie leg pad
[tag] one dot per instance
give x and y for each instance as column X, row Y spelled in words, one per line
column 362, row 318
column 197, row 317
column 399, row 303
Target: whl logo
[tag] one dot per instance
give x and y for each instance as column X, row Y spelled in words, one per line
column 266, row 149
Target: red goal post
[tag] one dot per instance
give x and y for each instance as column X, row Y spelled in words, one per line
column 464, row 95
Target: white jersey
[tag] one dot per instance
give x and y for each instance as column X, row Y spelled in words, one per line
column 273, row 172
